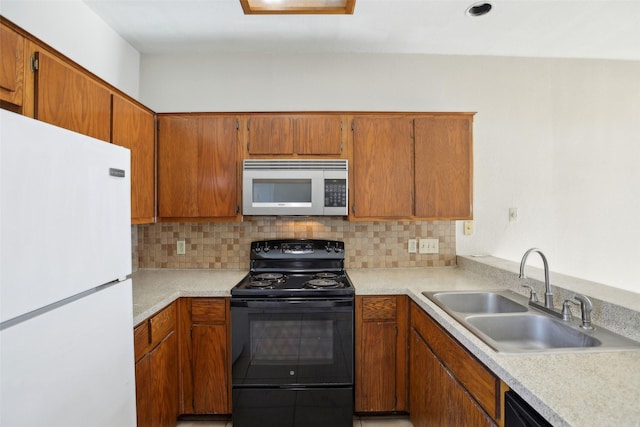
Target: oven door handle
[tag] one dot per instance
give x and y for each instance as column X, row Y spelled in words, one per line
column 292, row 303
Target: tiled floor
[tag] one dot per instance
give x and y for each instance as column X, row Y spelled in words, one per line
column 391, row 421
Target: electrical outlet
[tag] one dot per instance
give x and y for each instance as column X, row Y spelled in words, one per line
column 429, row 246
column 468, row 228
column 413, row 246
column 181, row 247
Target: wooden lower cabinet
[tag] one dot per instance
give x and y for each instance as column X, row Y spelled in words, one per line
column 165, row 389
column 156, row 369
column 437, row 398
column 381, row 343
column 448, row 386
column 404, row 362
column 210, row 394
column 206, row 363
column 144, row 399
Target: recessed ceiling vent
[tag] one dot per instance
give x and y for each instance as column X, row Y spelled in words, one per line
column 479, row 9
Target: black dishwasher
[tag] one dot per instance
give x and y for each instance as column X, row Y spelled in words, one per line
column 518, row 413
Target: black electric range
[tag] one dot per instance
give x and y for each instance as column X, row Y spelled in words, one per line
column 295, row 268
column 292, row 335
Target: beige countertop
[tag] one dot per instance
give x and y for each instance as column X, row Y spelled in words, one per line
column 568, row 389
column 154, row 289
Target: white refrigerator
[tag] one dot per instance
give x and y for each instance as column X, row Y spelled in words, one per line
column 66, row 318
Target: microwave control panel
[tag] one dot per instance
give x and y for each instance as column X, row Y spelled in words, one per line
column 335, row 193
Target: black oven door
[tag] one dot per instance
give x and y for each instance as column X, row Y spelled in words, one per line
column 292, row 343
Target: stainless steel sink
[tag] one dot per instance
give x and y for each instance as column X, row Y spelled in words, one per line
column 530, row 332
column 478, row 302
column 506, row 323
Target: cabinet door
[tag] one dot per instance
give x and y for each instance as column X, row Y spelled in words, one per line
column 210, row 369
column 318, row 135
column 133, row 127
column 11, row 65
column 380, row 354
column 206, row 374
column 270, row 134
column 197, row 166
column 66, row 97
column 417, row 380
column 144, row 397
column 376, row 389
column 443, row 146
column 439, row 400
column 382, row 167
column 165, row 388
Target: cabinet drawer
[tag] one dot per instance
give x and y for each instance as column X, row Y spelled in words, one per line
column 379, row 308
column 162, row 324
column 141, row 340
column 208, row 310
column 473, row 375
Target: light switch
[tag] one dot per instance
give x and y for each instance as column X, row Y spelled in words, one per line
column 181, row 247
column 429, row 246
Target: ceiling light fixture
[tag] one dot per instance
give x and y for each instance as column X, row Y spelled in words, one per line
column 479, row 9
column 308, row 7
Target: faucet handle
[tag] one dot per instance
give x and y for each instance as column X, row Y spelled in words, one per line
column 533, row 296
column 566, row 309
column 586, row 306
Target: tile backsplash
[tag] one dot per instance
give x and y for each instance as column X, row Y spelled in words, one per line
column 226, row 245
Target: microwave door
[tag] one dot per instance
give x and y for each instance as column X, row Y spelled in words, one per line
column 283, row 192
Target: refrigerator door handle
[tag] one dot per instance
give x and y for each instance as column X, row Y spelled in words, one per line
column 118, row 173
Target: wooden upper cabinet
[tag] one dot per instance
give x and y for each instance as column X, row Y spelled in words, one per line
column 382, row 167
column 12, row 46
column 270, row 134
column 133, row 127
column 285, row 134
column 197, row 166
column 318, row 135
column 71, row 99
column 417, row 166
column 444, row 151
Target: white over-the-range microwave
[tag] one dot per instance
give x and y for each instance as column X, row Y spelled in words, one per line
column 295, row 187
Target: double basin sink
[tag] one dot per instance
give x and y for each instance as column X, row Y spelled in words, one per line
column 505, row 322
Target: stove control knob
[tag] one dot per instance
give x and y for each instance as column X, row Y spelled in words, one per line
column 267, row 248
column 257, row 249
column 328, row 248
column 337, row 249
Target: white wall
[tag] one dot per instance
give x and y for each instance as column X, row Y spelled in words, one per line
column 558, row 139
column 73, row 29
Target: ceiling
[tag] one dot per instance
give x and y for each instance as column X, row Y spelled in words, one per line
column 607, row 29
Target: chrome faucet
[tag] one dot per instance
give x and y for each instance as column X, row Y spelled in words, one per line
column 548, row 296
